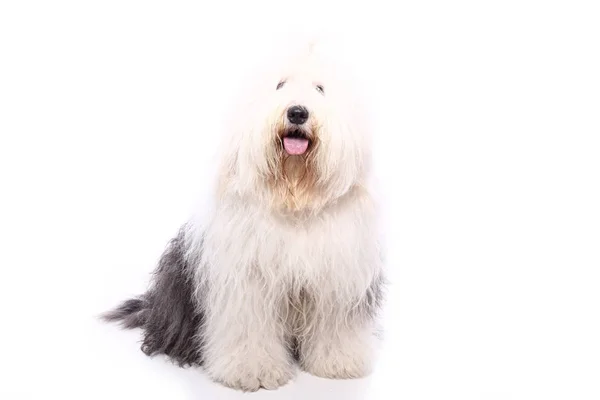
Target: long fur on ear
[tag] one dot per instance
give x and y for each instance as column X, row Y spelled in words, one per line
column 167, row 313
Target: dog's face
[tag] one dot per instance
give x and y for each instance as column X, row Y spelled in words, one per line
column 303, row 143
column 298, row 129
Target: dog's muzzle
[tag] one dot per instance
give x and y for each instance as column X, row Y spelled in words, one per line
column 295, row 140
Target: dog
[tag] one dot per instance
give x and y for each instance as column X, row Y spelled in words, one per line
column 285, row 269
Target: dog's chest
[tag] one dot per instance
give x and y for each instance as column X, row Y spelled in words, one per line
column 326, row 248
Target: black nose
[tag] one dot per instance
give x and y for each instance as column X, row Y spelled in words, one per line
column 297, row 115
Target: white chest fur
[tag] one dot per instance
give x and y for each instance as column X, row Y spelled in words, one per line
column 333, row 251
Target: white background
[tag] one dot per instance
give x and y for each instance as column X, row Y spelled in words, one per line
column 488, row 119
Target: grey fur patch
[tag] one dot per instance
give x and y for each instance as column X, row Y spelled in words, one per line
column 374, row 298
column 170, row 320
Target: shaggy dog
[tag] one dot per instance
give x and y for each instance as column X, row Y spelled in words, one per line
column 285, row 269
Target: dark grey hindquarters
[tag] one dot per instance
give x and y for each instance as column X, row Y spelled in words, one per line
column 167, row 313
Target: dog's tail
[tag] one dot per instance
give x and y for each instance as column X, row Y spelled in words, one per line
column 132, row 313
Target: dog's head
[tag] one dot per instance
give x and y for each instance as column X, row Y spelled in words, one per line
column 300, row 141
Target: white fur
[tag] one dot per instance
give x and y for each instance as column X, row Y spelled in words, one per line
column 269, row 272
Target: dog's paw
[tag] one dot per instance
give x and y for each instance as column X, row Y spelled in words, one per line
column 338, row 365
column 250, row 378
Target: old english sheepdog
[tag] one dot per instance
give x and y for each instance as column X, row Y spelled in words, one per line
column 285, row 267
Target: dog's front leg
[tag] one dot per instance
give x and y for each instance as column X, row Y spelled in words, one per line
column 244, row 339
column 339, row 350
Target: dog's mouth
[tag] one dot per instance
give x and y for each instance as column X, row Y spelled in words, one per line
column 295, row 142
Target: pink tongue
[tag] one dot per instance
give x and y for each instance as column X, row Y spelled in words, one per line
column 295, row 146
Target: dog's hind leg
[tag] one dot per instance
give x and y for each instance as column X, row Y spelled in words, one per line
column 168, row 314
